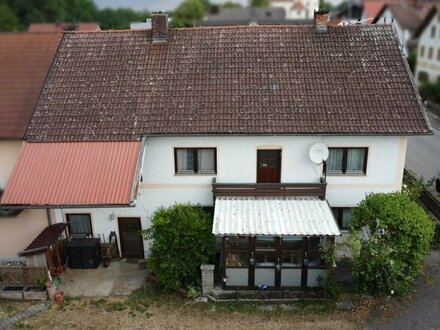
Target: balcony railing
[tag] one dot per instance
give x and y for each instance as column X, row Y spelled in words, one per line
column 269, row 189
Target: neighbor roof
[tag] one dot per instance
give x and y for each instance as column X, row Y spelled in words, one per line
column 407, row 17
column 24, row 61
column 60, row 27
column 228, row 80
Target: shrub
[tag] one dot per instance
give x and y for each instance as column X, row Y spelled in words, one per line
column 182, row 241
column 400, row 236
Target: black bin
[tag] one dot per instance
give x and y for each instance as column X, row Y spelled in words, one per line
column 84, row 253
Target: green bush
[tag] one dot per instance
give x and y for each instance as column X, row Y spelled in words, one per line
column 182, row 241
column 400, row 236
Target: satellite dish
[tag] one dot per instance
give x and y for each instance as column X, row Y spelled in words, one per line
column 318, row 153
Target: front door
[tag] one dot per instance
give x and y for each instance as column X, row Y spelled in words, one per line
column 132, row 244
column 268, row 166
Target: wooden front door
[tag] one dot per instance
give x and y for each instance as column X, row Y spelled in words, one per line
column 132, row 243
column 268, row 166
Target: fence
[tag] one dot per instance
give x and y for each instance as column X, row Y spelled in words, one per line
column 22, row 276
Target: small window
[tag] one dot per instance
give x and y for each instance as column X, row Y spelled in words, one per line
column 422, row 51
column 438, row 54
column 423, row 76
column 433, row 30
column 347, row 161
column 431, row 50
column 80, row 225
column 195, row 160
column 343, row 216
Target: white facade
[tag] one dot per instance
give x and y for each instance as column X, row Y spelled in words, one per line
column 404, row 35
column 428, row 52
column 16, row 232
column 236, row 163
column 292, row 12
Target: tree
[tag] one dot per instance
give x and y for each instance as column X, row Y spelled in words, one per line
column 430, row 91
column 182, row 241
column 412, row 60
column 260, row 3
column 231, row 4
column 120, row 18
column 188, row 12
column 325, row 6
column 8, row 20
column 400, row 237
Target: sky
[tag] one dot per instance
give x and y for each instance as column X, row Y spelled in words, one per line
column 149, row 4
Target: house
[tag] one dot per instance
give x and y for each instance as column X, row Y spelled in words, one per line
column 24, row 61
column 297, row 9
column 428, row 50
column 240, row 16
column 60, row 27
column 405, row 19
column 225, row 117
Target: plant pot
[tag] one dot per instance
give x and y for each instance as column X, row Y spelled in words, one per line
column 58, row 297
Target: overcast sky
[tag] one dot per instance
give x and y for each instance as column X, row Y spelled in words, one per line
column 148, row 4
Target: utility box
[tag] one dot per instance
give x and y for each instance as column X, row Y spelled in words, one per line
column 84, row 253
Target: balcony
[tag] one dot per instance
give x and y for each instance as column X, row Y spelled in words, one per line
column 269, row 189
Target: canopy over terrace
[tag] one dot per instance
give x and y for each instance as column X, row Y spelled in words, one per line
column 274, row 216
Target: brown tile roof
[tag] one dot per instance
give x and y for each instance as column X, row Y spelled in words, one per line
column 407, row 17
column 60, row 27
column 24, row 61
column 228, row 80
column 46, row 238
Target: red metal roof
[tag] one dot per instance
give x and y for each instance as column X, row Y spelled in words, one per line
column 74, row 174
column 46, row 238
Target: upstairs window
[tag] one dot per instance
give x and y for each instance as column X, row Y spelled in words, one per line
column 195, row 160
column 347, row 161
column 433, row 30
column 422, row 51
column 430, row 52
column 80, row 225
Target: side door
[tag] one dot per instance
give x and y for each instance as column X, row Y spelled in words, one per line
column 268, row 166
column 132, row 243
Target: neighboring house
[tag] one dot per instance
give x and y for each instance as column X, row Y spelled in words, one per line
column 428, row 50
column 246, row 16
column 24, row 61
column 405, row 19
column 349, row 11
column 224, row 117
column 61, row 27
column 297, row 9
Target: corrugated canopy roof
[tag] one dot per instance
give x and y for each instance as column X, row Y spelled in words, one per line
column 302, row 216
column 228, row 80
column 75, row 174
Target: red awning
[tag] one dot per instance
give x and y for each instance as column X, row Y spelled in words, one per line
column 75, row 174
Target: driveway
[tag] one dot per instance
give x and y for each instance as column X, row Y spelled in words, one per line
column 422, row 310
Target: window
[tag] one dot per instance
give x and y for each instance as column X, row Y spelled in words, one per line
column 343, row 216
column 80, row 225
column 431, row 50
column 422, row 51
column 423, row 76
column 433, row 30
column 195, row 160
column 347, row 161
column 438, row 54
column 314, row 254
column 237, row 251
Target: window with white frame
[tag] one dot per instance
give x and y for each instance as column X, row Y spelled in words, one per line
column 347, row 161
column 195, row 160
column 80, row 225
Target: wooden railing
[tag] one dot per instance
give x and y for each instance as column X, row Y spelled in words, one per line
column 269, row 189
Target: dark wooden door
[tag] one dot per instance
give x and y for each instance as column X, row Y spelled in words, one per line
column 132, row 244
column 268, row 166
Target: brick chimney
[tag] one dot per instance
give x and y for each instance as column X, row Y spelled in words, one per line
column 320, row 20
column 159, row 27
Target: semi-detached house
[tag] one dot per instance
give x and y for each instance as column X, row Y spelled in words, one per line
column 224, row 117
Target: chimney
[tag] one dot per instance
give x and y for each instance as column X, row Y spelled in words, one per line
column 159, row 27
column 320, row 20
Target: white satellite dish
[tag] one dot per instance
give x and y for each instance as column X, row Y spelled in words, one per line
column 318, row 153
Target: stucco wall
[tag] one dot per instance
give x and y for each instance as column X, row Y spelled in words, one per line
column 236, row 163
column 424, row 64
column 16, row 232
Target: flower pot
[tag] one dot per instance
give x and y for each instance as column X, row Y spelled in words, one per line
column 58, row 297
